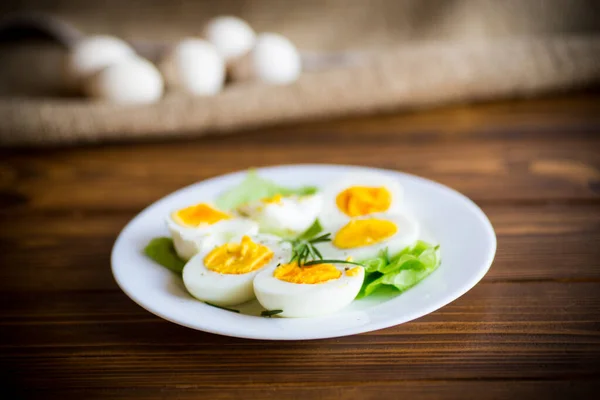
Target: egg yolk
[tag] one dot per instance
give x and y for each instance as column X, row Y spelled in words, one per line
column 238, row 258
column 353, row 272
column 199, row 214
column 273, row 199
column 318, row 273
column 364, row 232
column 357, row 201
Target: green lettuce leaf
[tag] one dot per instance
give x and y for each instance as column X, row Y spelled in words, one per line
column 402, row 271
column 371, row 282
column 254, row 188
column 291, row 236
column 312, row 231
column 378, row 263
column 161, row 250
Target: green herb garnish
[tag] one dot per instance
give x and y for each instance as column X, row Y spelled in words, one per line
column 270, row 313
column 222, row 308
column 321, row 261
column 305, row 252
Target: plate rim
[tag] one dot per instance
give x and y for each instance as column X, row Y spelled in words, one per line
column 369, row 327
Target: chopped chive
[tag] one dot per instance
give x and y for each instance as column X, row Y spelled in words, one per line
column 315, row 262
column 222, row 308
column 313, row 253
column 323, row 238
column 270, row 313
column 305, row 252
column 319, row 255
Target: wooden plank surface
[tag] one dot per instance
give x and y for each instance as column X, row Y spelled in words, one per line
column 531, row 328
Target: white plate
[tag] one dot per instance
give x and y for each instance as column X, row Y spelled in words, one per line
column 466, row 237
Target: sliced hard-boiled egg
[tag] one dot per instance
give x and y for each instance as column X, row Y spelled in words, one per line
column 201, row 225
column 364, row 237
column 307, row 291
column 223, row 273
column 284, row 215
column 360, row 195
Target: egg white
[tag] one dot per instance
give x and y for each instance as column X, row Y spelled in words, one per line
column 190, row 240
column 331, row 216
column 407, row 234
column 307, row 300
column 229, row 289
column 289, row 217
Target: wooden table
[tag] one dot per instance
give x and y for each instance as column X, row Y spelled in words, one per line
column 531, row 328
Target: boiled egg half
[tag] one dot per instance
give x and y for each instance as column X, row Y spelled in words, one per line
column 223, row 274
column 364, row 237
column 200, row 225
column 285, row 216
column 308, row 291
column 359, row 195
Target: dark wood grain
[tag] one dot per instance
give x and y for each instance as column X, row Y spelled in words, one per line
column 530, row 329
column 360, row 390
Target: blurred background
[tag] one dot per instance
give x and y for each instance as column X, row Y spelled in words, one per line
column 456, row 50
column 328, row 24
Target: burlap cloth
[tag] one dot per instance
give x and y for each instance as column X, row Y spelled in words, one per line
column 401, row 59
